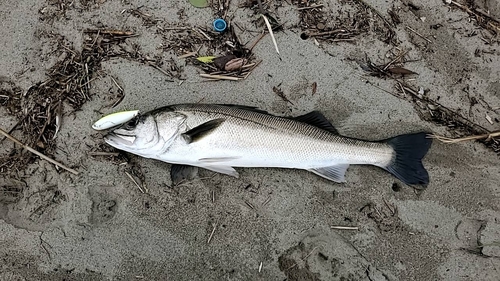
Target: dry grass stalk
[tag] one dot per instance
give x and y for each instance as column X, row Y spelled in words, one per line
column 135, row 182
column 220, row 77
column 38, row 153
column 270, row 29
column 344, row 227
column 212, row 234
column 487, row 137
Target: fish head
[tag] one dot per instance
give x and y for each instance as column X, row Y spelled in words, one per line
column 146, row 134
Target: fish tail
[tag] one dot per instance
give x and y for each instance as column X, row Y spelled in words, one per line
column 407, row 163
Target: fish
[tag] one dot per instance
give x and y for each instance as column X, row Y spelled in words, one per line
column 222, row 137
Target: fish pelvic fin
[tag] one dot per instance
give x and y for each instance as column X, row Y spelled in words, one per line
column 181, row 173
column 334, row 173
column 409, row 150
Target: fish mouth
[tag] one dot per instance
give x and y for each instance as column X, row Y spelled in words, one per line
column 119, row 140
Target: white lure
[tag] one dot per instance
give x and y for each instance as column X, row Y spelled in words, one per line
column 114, row 119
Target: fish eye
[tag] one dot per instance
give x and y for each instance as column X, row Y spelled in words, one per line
column 131, row 124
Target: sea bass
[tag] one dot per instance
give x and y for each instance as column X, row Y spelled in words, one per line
column 221, row 137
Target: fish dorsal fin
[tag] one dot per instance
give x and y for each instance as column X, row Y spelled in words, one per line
column 315, row 118
column 334, row 173
column 202, row 130
column 180, row 173
column 244, row 107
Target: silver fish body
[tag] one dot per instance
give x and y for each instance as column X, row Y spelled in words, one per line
column 220, row 137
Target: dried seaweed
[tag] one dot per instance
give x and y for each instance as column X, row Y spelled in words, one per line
column 68, row 83
column 188, row 41
column 354, row 19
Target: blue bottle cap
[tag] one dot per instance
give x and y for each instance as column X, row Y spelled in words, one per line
column 220, row 25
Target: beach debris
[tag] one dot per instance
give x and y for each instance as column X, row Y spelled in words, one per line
column 114, row 119
column 314, row 87
column 221, row 62
column 344, row 227
column 135, row 182
column 418, row 34
column 219, row 25
column 58, row 119
column 235, row 64
column 344, row 27
column 400, row 70
column 390, row 69
column 199, row 3
column 37, row 153
column 482, row 18
column 212, row 234
column 277, row 90
column 488, row 118
column 270, row 29
column 207, row 59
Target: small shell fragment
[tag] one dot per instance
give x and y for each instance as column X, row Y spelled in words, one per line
column 114, row 119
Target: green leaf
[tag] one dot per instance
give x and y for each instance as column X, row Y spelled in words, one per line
column 199, row 3
column 208, row 59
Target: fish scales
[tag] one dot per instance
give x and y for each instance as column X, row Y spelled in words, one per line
column 280, row 139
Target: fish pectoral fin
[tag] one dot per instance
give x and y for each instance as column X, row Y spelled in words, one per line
column 202, row 130
column 228, row 170
column 180, row 173
column 214, row 160
column 334, row 173
column 317, row 119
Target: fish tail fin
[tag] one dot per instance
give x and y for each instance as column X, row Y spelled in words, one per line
column 407, row 163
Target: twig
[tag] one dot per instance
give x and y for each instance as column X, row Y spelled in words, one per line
column 271, row 32
column 203, row 33
column 344, row 227
column 161, row 70
column 116, row 83
column 328, row 32
column 488, row 137
column 43, row 246
column 376, row 12
column 256, row 41
column 38, row 153
column 310, row 7
column 420, row 35
column 10, row 131
column 102, row 153
column 135, row 182
column 220, row 77
column 110, row 32
column 477, row 14
column 187, row 55
column 396, row 59
column 212, row 234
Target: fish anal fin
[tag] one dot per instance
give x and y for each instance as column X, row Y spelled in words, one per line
column 180, row 173
column 334, row 173
column 215, row 160
column 202, row 130
column 227, row 170
column 317, row 119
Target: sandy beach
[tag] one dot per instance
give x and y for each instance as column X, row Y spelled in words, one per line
column 374, row 68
